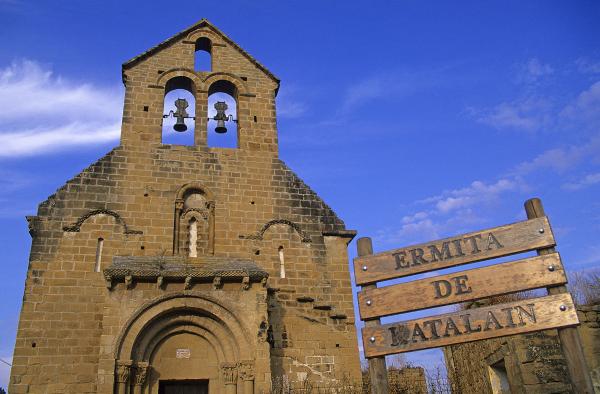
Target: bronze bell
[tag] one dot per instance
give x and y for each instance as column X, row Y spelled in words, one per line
column 180, row 114
column 220, row 117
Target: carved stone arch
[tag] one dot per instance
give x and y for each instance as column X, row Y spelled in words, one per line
column 223, row 344
column 183, row 190
column 76, row 227
column 203, row 305
column 260, row 234
column 196, row 34
column 175, row 330
column 241, row 86
column 182, row 214
column 165, row 77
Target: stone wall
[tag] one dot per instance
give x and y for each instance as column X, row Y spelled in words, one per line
column 589, row 316
column 75, row 316
column 529, row 363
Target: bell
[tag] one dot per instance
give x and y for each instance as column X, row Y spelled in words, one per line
column 220, row 117
column 180, row 114
column 180, row 125
column 221, row 129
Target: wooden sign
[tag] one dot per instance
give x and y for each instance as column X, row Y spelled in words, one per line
column 477, row 246
column 520, row 275
column 557, row 310
column 470, row 325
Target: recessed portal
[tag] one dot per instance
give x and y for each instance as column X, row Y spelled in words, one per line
column 183, row 387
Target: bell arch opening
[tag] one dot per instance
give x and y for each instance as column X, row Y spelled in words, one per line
column 223, row 129
column 179, row 112
column 203, row 55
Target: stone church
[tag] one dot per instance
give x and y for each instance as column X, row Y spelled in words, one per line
column 169, row 268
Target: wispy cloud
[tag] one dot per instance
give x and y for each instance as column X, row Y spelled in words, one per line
column 586, row 107
column 289, row 105
column 533, row 70
column 450, row 211
column 5, row 370
column 364, row 91
column 586, row 181
column 561, row 159
column 529, row 114
column 587, row 66
column 43, row 112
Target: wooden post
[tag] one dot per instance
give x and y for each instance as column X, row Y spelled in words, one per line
column 569, row 337
column 377, row 367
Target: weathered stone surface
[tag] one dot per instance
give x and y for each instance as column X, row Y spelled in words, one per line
column 533, row 362
column 113, row 297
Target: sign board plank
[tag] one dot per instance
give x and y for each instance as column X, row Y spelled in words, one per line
column 468, row 248
column 526, row 274
column 511, row 318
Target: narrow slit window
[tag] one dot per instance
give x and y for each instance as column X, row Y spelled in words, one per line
column 99, row 247
column 281, row 263
column 193, row 237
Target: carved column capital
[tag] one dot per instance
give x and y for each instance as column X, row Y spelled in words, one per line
column 246, row 369
column 229, row 373
column 141, row 373
column 123, row 371
column 179, row 204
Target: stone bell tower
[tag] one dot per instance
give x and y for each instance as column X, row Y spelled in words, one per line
column 165, row 267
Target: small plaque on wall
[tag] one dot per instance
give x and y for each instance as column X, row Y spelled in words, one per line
column 183, row 353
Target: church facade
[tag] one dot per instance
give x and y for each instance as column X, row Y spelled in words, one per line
column 166, row 268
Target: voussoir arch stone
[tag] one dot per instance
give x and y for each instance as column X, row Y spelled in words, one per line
column 204, row 33
column 177, row 302
column 242, row 88
column 218, row 335
column 184, row 189
column 180, row 72
column 148, row 355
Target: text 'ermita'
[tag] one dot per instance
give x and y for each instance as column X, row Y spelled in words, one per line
column 447, row 250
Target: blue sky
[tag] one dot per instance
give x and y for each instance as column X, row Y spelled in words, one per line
column 413, row 120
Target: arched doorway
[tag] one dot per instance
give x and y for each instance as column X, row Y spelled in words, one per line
column 184, row 342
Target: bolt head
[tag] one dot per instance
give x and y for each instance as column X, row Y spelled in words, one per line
column 369, row 302
column 364, row 267
column 551, row 268
column 372, row 339
column 541, row 231
column 563, row 308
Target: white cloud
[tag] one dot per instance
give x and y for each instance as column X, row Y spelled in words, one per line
column 5, row 371
column 588, row 180
column 43, row 112
column 534, row 70
column 530, row 114
column 586, row 66
column 449, row 212
column 363, row 91
column 288, row 104
column 586, row 107
column 476, row 193
column 561, row 159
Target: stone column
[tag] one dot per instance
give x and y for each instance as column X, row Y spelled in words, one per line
column 122, row 375
column 141, row 373
column 229, row 376
column 246, row 370
column 177, row 225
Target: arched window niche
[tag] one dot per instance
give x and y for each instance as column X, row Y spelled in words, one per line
column 227, row 92
column 203, row 55
column 193, row 234
column 179, row 88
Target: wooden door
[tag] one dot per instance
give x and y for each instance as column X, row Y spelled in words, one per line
column 183, row 387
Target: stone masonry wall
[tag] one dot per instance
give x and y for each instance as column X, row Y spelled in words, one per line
column 69, row 318
column 534, row 362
